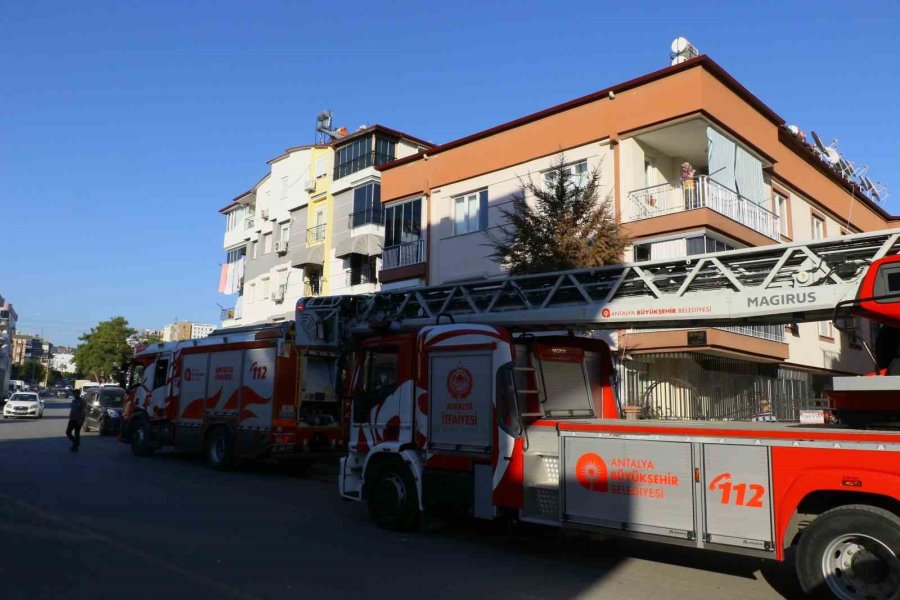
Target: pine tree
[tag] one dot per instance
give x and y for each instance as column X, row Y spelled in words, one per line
column 563, row 225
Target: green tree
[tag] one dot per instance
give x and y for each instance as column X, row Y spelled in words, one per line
column 104, row 352
column 30, row 370
column 559, row 223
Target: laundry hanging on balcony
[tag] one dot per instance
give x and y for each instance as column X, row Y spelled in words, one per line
column 223, row 278
column 748, row 176
column 721, row 158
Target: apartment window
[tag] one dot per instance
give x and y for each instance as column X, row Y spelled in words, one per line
column 235, row 255
column 234, row 218
column 578, row 174
column 470, row 212
column 366, row 205
column 649, row 177
column 385, row 150
column 362, row 269
column 825, row 329
column 267, row 243
column 700, row 244
column 284, row 187
column 253, row 250
column 285, row 232
column 782, row 213
column 818, row 228
column 402, row 223
column 265, row 288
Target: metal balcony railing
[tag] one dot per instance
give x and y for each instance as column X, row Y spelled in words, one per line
column 365, row 217
column 401, row 255
column 774, row 333
column 315, row 234
column 361, row 278
column 702, row 192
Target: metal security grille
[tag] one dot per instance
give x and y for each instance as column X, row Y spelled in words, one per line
column 691, row 386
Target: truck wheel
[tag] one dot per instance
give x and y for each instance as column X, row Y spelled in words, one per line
column 851, row 553
column 220, row 449
column 140, row 438
column 101, row 426
column 392, row 498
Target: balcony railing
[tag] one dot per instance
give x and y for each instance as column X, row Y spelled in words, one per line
column 401, row 255
column 360, row 278
column 248, row 223
column 315, row 234
column 365, row 217
column 227, row 314
column 774, row 333
column 702, row 192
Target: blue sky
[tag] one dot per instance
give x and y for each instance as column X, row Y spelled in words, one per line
column 125, row 125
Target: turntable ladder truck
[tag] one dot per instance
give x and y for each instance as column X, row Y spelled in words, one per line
column 466, row 397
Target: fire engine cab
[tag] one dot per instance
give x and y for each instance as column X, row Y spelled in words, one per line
column 478, row 397
column 242, row 393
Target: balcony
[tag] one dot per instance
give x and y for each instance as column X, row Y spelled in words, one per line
column 359, row 278
column 315, row 234
column 358, row 163
column 366, row 217
column 402, row 255
column 701, row 192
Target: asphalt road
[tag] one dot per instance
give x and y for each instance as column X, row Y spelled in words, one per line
column 102, row 523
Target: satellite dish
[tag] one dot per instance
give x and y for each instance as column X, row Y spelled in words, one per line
column 818, row 141
column 794, row 129
column 832, row 155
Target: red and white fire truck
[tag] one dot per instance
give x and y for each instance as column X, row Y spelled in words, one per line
column 242, row 393
column 463, row 398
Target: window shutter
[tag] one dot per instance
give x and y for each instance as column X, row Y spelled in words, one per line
column 483, row 210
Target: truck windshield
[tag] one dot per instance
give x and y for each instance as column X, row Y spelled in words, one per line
column 378, row 381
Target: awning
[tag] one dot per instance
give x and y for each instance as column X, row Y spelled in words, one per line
column 314, row 255
column 368, row 244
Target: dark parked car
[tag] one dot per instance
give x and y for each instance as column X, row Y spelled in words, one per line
column 104, row 409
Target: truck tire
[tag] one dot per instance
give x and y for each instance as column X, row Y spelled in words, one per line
column 851, row 553
column 392, row 497
column 140, row 438
column 220, row 449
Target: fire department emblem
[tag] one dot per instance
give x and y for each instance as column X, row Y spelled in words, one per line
column 459, row 383
column 605, row 313
column 590, row 470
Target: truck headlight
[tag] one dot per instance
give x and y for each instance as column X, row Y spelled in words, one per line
column 112, row 413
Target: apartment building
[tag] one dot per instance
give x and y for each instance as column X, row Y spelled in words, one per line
column 754, row 182
column 27, row 346
column 313, row 225
column 186, row 330
column 8, row 318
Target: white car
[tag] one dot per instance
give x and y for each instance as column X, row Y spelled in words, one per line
column 24, row 404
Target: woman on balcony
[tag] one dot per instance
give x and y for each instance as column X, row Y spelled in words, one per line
column 688, row 186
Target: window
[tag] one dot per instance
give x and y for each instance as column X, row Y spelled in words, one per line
column 384, row 150
column 700, row 244
column 251, row 293
column 649, row 176
column 284, row 187
column 355, row 156
column 253, row 249
column 782, row 213
column 366, row 205
column 235, row 218
column 362, row 269
column 578, row 175
column 470, row 212
column 379, row 380
column 402, row 223
column 818, row 228
column 235, row 254
column 825, row 329
column 265, row 288
column 267, row 243
column 159, row 374
column 285, row 232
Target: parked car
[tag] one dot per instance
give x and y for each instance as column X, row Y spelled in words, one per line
column 104, row 409
column 24, row 404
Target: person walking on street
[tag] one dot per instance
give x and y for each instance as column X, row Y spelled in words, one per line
column 76, row 418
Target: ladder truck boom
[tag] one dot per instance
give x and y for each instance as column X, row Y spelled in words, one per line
column 785, row 283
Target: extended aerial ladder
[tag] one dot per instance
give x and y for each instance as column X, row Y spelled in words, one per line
column 780, row 284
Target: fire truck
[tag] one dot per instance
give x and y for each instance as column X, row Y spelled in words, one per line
column 241, row 393
column 481, row 397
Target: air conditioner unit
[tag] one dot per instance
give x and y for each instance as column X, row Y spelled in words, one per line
column 278, row 294
column 265, row 214
column 310, row 185
column 281, row 247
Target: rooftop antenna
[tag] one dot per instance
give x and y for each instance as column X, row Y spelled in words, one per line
column 875, row 190
column 682, row 51
column 324, row 133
